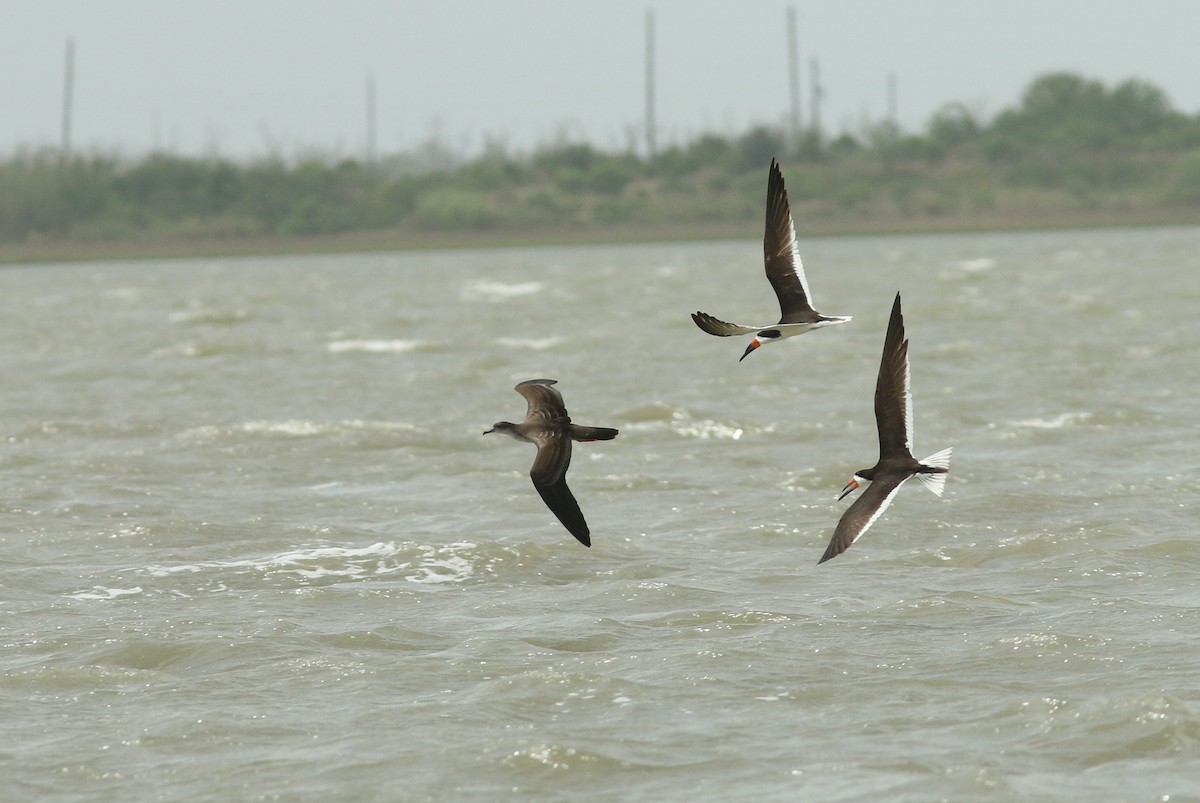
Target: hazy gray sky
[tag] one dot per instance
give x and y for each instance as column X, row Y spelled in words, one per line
column 243, row 77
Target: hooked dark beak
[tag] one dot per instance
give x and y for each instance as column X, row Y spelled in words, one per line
column 490, row 431
column 850, row 486
column 753, row 345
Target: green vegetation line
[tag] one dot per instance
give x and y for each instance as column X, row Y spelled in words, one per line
column 1073, row 152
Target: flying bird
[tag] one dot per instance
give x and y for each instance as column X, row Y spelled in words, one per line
column 548, row 427
column 893, row 416
column 785, row 271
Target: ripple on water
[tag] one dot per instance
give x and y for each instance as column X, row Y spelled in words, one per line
column 1086, row 732
column 211, row 515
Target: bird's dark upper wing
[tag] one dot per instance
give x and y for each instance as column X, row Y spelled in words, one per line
column 549, row 475
column 545, row 403
column 893, row 400
column 561, row 501
column 553, row 455
column 715, row 326
column 782, row 257
column 862, row 514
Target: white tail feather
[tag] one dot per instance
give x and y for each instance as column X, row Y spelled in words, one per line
column 936, row 483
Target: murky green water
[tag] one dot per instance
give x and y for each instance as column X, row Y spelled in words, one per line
column 253, row 544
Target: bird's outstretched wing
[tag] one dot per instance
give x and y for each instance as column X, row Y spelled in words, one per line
column 561, row 501
column 861, row 515
column 785, row 270
column 893, row 397
column 715, row 326
column 545, row 403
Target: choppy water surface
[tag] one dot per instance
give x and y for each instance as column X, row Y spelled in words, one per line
column 254, row 544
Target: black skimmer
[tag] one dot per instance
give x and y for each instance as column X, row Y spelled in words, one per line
column 893, row 416
column 548, row 427
column 786, row 274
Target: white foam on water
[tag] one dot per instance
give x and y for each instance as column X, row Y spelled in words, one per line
column 976, row 265
column 419, row 563
column 375, row 346
column 104, row 593
column 707, row 429
column 209, row 315
column 125, row 294
column 1058, row 422
column 294, row 428
column 535, row 343
column 498, row 291
column 435, row 569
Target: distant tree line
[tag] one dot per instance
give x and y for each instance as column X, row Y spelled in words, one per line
column 1070, row 144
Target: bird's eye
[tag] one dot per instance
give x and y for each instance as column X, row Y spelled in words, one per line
column 772, row 333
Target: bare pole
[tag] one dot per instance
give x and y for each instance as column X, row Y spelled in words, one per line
column 793, row 76
column 370, row 119
column 815, row 95
column 651, row 125
column 68, row 100
column 891, row 97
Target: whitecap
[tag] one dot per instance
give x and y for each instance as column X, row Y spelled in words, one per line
column 124, row 294
column 293, row 427
column 535, row 343
column 707, row 429
column 441, row 569
column 103, row 593
column 375, row 346
column 418, row 564
column 496, row 291
column 284, row 560
column 975, row 265
column 1058, row 422
column 209, row 315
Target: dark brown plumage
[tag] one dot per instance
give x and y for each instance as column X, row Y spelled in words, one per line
column 785, row 271
column 548, row 427
column 893, row 418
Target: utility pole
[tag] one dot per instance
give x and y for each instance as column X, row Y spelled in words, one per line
column 370, row 120
column 651, row 125
column 815, row 95
column 793, row 77
column 68, row 100
column 891, row 97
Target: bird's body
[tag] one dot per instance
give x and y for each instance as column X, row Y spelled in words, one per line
column 548, row 427
column 893, row 417
column 785, row 271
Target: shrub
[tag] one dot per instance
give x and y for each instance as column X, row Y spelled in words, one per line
column 450, row 208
